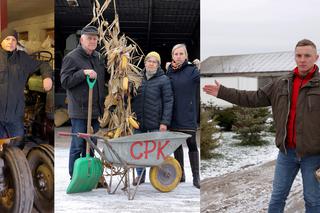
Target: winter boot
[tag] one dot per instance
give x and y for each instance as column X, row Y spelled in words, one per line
column 194, row 162
column 102, row 183
column 178, row 155
column 143, row 179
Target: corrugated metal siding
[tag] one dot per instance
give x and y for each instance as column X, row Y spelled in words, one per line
column 251, row 63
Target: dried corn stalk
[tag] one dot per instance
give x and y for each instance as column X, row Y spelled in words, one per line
column 125, row 75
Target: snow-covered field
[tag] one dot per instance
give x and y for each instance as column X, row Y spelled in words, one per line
column 185, row 198
column 235, row 157
column 241, row 180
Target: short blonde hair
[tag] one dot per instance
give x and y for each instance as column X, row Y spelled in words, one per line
column 177, row 46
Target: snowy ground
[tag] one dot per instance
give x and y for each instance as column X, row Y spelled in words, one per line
column 247, row 191
column 185, row 198
column 241, row 181
column 236, row 157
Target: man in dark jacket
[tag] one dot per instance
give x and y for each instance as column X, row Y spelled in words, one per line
column 79, row 63
column 185, row 80
column 154, row 101
column 15, row 68
column 295, row 101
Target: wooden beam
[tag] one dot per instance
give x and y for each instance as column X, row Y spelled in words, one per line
column 149, row 24
column 3, row 14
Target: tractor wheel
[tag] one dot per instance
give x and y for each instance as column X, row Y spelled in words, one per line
column 48, row 149
column 41, row 165
column 18, row 196
column 167, row 176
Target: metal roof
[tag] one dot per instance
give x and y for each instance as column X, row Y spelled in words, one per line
column 249, row 63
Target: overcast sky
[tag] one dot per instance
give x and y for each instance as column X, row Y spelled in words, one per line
column 230, row 27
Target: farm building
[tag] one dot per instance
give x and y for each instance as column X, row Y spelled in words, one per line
column 245, row 72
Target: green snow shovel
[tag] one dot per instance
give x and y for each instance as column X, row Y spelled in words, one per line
column 87, row 170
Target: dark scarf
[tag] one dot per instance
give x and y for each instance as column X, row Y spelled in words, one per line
column 175, row 66
column 9, row 54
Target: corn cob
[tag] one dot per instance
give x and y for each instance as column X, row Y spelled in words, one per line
column 133, row 123
column 124, row 62
column 123, row 66
column 117, row 133
column 125, row 83
column 110, row 134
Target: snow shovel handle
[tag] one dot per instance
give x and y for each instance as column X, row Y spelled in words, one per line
column 91, row 85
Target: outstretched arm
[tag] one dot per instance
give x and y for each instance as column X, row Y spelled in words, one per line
column 212, row 89
column 259, row 98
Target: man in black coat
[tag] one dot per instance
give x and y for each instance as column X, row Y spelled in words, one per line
column 15, row 68
column 79, row 63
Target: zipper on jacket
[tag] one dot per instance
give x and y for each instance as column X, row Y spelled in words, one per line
column 7, row 101
column 285, row 129
column 294, row 125
column 143, row 105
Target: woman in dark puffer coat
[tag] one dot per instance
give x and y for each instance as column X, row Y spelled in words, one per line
column 154, row 101
column 185, row 79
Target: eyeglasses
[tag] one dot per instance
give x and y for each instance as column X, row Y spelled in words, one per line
column 152, row 62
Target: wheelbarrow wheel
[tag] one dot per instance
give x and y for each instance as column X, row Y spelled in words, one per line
column 18, row 196
column 167, row 176
column 41, row 165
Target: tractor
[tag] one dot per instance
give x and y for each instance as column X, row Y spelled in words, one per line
column 27, row 172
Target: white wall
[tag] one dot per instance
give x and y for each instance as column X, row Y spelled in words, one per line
column 36, row 26
column 242, row 83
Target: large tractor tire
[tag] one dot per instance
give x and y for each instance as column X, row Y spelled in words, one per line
column 41, row 162
column 18, row 196
column 167, row 176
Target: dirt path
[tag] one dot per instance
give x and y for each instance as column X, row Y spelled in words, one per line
column 246, row 191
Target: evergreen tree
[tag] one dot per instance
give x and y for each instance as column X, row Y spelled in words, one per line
column 225, row 118
column 249, row 123
column 207, row 140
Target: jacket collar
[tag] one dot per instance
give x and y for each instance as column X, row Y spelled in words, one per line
column 158, row 73
column 5, row 53
column 184, row 64
column 313, row 82
column 84, row 53
column 315, row 76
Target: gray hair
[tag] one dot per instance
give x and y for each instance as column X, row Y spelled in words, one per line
column 177, row 46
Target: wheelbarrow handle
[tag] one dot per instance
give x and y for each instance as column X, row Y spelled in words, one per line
column 7, row 140
column 82, row 135
column 67, row 134
column 88, row 139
